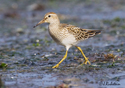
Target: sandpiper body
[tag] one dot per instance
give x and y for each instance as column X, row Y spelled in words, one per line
column 66, row 34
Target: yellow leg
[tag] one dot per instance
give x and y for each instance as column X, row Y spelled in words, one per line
column 57, row 65
column 86, row 59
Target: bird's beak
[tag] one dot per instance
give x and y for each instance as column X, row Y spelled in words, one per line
column 42, row 21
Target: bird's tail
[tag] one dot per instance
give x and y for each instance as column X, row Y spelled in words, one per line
column 93, row 32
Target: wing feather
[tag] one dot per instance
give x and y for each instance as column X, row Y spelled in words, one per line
column 79, row 33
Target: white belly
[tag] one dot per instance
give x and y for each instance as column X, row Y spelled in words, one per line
column 69, row 40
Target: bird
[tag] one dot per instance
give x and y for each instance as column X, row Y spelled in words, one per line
column 67, row 35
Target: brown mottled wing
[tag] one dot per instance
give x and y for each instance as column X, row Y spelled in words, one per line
column 82, row 34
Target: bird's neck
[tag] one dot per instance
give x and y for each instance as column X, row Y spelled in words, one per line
column 53, row 29
column 54, row 25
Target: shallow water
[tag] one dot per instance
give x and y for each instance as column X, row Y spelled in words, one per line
column 29, row 79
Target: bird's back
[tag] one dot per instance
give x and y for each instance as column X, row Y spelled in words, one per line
column 79, row 33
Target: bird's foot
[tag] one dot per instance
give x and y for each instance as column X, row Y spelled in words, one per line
column 56, row 66
column 86, row 61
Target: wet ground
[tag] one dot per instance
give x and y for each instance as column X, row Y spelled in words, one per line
column 27, row 55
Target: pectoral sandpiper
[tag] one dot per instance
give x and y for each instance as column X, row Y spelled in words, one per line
column 67, row 35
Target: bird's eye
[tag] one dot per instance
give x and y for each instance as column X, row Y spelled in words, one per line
column 49, row 16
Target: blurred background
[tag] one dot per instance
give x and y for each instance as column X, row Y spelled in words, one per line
column 30, row 53
column 29, row 12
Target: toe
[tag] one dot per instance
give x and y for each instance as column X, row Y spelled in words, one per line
column 87, row 61
column 56, row 66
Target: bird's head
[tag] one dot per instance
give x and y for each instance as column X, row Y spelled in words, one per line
column 50, row 17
